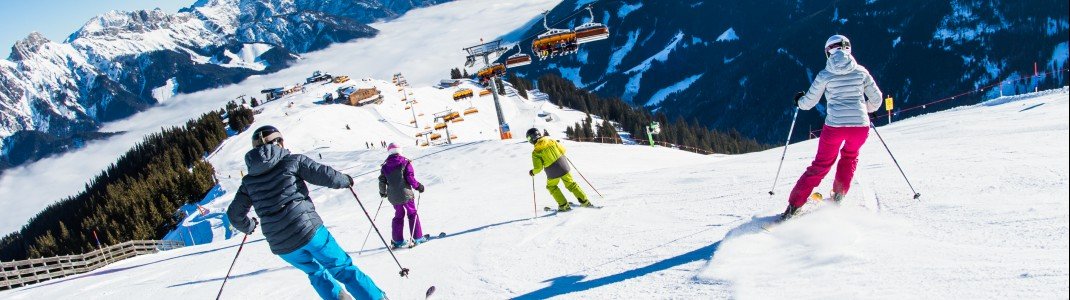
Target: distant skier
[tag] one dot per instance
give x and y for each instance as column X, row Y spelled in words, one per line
column 396, row 183
column 550, row 155
column 851, row 94
column 276, row 189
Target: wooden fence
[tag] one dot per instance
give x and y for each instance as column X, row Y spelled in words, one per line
column 26, row 272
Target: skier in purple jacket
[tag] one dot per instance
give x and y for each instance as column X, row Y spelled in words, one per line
column 396, row 183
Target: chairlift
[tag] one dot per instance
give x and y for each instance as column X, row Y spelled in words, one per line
column 591, row 31
column 461, row 94
column 554, row 42
column 518, row 60
column 495, row 70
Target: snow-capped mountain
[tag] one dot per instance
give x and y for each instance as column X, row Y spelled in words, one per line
column 727, row 64
column 120, row 63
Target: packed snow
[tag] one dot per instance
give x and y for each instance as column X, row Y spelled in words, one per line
column 992, row 222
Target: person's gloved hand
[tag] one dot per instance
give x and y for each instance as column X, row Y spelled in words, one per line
column 256, row 223
column 382, row 194
column 420, row 188
column 351, row 181
column 531, row 173
column 798, row 96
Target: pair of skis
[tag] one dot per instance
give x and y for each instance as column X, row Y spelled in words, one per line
column 573, row 205
column 814, row 198
column 426, row 237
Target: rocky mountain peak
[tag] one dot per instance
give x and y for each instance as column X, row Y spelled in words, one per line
column 27, row 46
column 116, row 22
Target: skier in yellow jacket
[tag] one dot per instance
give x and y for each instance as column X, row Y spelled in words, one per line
column 550, row 155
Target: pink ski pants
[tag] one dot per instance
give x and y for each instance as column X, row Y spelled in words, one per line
column 843, row 140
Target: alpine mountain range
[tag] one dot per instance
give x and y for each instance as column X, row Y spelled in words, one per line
column 55, row 95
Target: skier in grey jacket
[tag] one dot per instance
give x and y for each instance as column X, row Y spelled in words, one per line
column 276, row 189
column 850, row 94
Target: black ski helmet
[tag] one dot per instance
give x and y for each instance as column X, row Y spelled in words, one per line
column 533, row 135
column 266, row 135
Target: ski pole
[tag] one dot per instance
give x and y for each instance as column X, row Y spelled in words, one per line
column 404, row 271
column 785, row 153
column 412, row 228
column 916, row 194
column 534, row 203
column 584, row 178
column 243, row 239
column 365, row 243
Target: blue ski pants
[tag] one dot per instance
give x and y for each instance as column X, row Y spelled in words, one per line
column 327, row 264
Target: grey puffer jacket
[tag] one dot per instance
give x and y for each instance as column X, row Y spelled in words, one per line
column 276, row 188
column 849, row 90
column 397, row 179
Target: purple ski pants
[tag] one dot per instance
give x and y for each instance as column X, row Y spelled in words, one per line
column 400, row 211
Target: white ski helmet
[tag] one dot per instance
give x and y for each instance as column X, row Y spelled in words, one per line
column 837, row 42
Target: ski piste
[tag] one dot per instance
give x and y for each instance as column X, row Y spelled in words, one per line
column 811, row 206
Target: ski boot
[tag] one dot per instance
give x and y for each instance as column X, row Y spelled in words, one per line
column 837, row 198
column 564, row 207
column 586, row 203
column 790, row 212
column 398, row 244
column 419, row 240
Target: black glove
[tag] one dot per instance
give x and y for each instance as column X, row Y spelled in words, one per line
column 351, row 181
column 798, row 96
column 420, row 188
column 382, row 194
column 531, row 173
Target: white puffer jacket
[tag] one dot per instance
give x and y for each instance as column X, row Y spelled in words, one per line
column 849, row 90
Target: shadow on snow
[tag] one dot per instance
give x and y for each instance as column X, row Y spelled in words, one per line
column 575, row 283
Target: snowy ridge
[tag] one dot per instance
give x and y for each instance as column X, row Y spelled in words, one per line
column 113, row 66
column 676, row 224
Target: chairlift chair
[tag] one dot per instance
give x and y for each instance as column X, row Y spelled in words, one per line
column 591, row 31
column 554, row 42
column 518, row 60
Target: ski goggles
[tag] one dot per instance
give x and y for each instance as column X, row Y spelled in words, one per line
column 842, row 46
column 268, row 137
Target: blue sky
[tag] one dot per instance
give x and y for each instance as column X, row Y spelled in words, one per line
column 57, row 19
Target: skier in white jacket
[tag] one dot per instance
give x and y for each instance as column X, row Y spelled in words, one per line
column 850, row 95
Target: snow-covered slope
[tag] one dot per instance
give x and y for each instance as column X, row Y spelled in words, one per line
column 993, row 222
